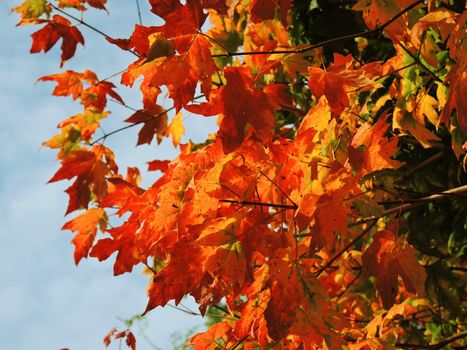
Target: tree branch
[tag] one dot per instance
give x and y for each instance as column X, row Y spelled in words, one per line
column 150, row 117
column 378, row 29
column 415, row 203
column 436, row 346
column 260, row 204
column 420, row 166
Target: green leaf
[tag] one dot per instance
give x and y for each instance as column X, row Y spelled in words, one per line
column 31, row 9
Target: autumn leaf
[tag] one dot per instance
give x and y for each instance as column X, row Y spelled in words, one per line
column 176, row 129
column 157, row 164
column 379, row 149
column 337, row 82
column 210, row 339
column 238, row 94
column 182, row 274
column 55, row 29
column 252, row 317
column 130, row 339
column 154, row 120
column 79, row 4
column 377, row 12
column 163, row 8
column 31, row 10
column 86, row 227
column 90, row 169
column 389, row 257
column 68, row 83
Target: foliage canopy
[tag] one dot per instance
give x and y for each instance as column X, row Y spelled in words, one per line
column 328, row 211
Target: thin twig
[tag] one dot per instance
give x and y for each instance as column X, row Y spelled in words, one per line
column 139, row 12
column 260, row 204
column 446, row 194
column 150, row 117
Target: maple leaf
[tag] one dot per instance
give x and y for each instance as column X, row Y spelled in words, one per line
column 209, row 340
column 377, row 12
column 224, row 254
column 181, row 275
column 180, row 73
column 68, row 83
column 252, row 318
column 236, row 95
column 261, row 10
column 71, row 83
column 86, row 123
column 124, row 242
column 163, row 8
column 161, row 165
column 154, row 120
column 31, row 10
column 86, row 225
column 57, row 28
column 176, row 129
column 389, row 257
column 90, row 170
column 79, row 4
column 378, row 148
column 337, row 81
column 96, row 95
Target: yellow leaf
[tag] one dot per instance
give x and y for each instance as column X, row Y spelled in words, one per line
column 176, row 129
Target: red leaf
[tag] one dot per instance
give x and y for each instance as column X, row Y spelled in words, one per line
column 244, row 107
column 76, row 164
column 57, row 28
column 163, row 8
column 261, row 10
column 154, row 120
column 157, row 164
column 386, row 259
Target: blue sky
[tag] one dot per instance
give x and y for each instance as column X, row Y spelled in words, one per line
column 46, row 302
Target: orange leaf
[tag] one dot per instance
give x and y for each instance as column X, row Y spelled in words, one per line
column 378, row 148
column 337, row 81
column 210, row 339
column 68, row 83
column 86, row 226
